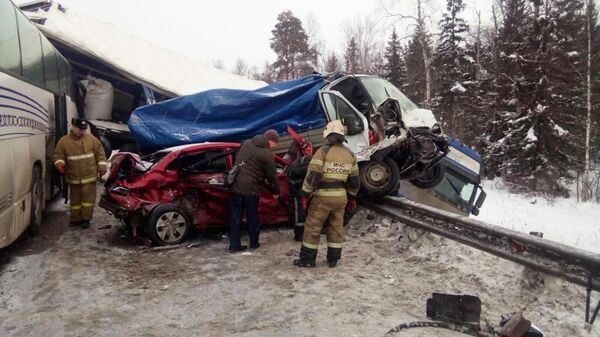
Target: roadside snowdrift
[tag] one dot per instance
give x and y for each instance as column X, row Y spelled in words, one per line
column 562, row 220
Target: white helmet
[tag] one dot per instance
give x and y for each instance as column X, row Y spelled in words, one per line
column 334, row 127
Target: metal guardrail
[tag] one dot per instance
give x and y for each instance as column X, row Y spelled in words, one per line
column 569, row 263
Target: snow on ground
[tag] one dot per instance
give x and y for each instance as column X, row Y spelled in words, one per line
column 562, row 220
column 73, row 282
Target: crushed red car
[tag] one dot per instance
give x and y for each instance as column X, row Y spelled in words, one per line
column 169, row 192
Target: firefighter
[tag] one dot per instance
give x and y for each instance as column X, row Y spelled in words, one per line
column 333, row 181
column 80, row 156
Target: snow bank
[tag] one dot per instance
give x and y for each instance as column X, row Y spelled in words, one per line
column 561, row 220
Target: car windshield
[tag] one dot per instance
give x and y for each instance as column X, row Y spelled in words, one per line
column 380, row 90
column 455, row 189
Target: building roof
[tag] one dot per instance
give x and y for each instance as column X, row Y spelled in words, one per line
column 162, row 70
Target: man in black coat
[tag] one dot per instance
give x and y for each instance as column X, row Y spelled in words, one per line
column 256, row 165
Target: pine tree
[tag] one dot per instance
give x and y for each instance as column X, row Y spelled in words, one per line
column 451, row 64
column 351, row 57
column 395, row 68
column 290, row 43
column 416, row 74
column 331, row 63
column 536, row 135
column 377, row 65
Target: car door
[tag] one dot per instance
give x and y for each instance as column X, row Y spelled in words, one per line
column 204, row 173
column 273, row 210
column 337, row 107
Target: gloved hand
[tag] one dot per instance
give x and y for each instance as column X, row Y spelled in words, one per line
column 304, row 201
column 351, row 206
column 101, row 171
column 62, row 169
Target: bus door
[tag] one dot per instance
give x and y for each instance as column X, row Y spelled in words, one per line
column 61, row 121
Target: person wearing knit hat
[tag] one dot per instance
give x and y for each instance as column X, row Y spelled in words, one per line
column 255, row 165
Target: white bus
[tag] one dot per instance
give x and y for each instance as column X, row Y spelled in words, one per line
column 35, row 104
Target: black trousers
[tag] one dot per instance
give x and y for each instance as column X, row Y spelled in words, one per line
column 239, row 204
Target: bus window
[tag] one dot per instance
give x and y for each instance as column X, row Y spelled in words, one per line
column 31, row 51
column 50, row 66
column 10, row 57
column 64, row 73
column 455, row 189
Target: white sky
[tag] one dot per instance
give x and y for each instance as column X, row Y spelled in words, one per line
column 232, row 29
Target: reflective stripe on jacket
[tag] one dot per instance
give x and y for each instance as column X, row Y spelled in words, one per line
column 332, row 172
column 81, row 157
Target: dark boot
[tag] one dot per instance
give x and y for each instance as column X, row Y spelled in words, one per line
column 238, row 249
column 307, row 257
column 298, row 233
column 85, row 224
column 333, row 255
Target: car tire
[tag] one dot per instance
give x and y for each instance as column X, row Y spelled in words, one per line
column 37, row 200
column 168, row 225
column 430, row 178
column 379, row 178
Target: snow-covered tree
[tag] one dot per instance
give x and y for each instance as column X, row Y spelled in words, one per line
column 452, row 68
column 395, row 68
column 536, row 137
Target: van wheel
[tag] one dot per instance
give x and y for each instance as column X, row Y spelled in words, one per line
column 168, row 225
column 379, row 178
column 430, row 178
column 37, row 200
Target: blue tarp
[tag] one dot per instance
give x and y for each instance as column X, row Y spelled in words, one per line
column 229, row 115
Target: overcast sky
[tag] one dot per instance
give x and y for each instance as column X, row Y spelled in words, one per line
column 231, row 29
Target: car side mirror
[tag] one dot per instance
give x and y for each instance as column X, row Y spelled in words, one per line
column 480, row 199
column 354, row 125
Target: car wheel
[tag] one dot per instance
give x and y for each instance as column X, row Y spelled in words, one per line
column 430, row 178
column 37, row 200
column 168, row 225
column 379, row 178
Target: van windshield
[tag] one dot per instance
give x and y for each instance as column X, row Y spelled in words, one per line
column 380, row 90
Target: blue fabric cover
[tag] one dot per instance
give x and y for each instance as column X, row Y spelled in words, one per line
column 229, row 115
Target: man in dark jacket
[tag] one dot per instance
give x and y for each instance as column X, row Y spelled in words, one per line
column 256, row 165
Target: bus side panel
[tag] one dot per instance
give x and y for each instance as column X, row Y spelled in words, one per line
column 6, row 193
column 21, row 180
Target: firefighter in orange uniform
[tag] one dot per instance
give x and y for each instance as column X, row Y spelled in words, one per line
column 80, row 156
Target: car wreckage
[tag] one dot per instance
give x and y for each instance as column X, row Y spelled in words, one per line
column 171, row 192
column 181, row 185
column 391, row 136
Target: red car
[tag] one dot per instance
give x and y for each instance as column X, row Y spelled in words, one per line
column 169, row 191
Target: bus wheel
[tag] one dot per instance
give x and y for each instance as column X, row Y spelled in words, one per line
column 379, row 178
column 430, row 178
column 37, row 200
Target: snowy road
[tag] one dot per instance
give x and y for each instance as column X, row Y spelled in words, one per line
column 71, row 282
